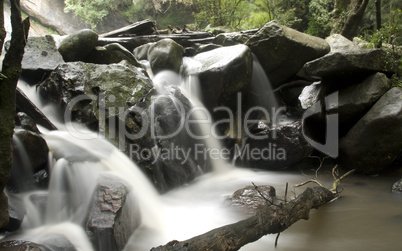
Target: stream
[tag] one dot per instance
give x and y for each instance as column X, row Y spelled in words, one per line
column 368, row 216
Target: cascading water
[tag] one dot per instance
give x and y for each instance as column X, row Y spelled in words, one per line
column 198, row 207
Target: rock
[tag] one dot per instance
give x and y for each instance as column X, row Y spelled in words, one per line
column 40, row 57
column 356, row 100
column 252, row 198
column 77, row 46
column 397, row 186
column 111, row 54
column 338, row 42
column 22, row 246
column 25, row 122
column 30, row 156
column 141, row 52
column 161, row 152
column 51, row 14
column 283, row 51
column 84, row 88
column 311, row 94
column 134, row 118
column 350, row 64
column 233, row 38
column 207, row 47
column 273, row 147
column 222, row 73
column 4, row 217
column 372, row 144
column 113, row 216
column 165, row 54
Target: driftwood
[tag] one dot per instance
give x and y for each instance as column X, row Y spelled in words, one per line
column 145, row 27
column 270, row 220
column 26, row 106
column 185, row 39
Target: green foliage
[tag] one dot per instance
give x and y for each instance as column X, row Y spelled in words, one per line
column 390, row 32
column 220, row 13
column 320, row 17
column 93, row 11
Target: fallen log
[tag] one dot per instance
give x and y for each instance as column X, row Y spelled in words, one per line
column 26, row 106
column 272, row 219
column 185, row 39
column 144, row 27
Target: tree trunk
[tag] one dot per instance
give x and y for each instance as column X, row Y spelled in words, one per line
column 378, row 13
column 8, row 82
column 270, row 220
column 339, row 13
column 356, row 11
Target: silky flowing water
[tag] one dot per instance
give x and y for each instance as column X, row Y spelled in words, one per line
column 368, row 216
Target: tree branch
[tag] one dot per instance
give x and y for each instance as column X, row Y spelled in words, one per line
column 270, row 220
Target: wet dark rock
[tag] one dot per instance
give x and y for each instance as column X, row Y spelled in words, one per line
column 93, row 87
column 77, row 46
column 349, row 64
column 30, row 156
column 283, row 51
column 273, row 147
column 40, row 57
column 111, row 54
column 141, row 52
column 222, row 73
column 356, row 100
column 251, row 199
column 397, row 186
column 113, row 216
column 22, row 246
column 166, row 135
column 25, row 122
column 165, row 54
column 233, row 38
column 373, row 142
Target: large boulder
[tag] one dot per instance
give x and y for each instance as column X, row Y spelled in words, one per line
column 347, row 64
column 119, row 101
column 51, row 14
column 91, row 91
column 222, row 73
column 373, row 142
column 273, row 147
column 166, row 152
column 41, row 56
column 283, row 51
column 355, row 100
column 113, row 215
column 77, row 46
column 165, row 54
